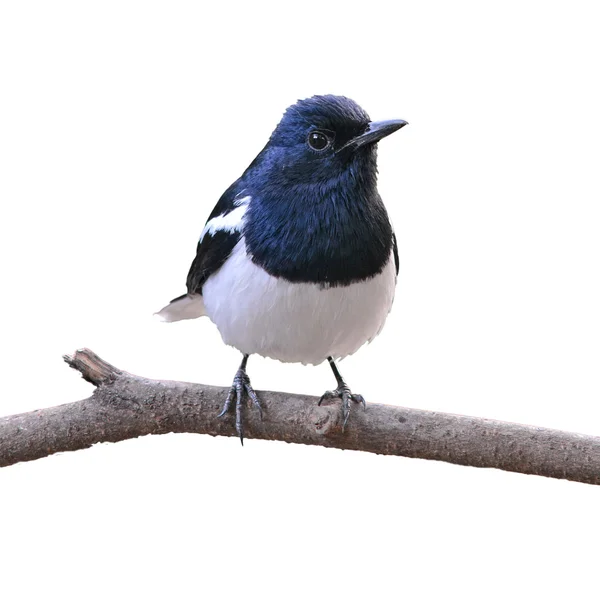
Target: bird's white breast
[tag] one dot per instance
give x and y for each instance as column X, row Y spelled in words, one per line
column 295, row 322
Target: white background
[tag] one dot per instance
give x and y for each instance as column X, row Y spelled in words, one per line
column 121, row 123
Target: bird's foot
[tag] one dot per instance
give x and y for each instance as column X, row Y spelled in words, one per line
column 241, row 387
column 346, row 396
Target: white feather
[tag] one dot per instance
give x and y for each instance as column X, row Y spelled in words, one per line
column 187, row 307
column 231, row 221
column 295, row 322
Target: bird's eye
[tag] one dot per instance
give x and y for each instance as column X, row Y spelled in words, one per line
column 318, row 140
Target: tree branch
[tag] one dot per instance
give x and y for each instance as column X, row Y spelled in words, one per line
column 125, row 406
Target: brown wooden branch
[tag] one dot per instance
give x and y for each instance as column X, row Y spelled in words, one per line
column 125, row 406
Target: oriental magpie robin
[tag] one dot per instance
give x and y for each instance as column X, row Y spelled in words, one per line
column 298, row 259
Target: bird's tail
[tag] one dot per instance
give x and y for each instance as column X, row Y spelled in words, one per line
column 188, row 306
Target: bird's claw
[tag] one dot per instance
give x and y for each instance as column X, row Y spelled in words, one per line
column 240, row 387
column 346, row 396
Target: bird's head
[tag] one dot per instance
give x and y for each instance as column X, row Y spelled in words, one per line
column 326, row 137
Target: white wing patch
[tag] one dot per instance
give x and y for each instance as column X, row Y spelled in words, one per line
column 231, row 221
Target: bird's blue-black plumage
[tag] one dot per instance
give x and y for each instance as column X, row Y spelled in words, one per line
column 323, row 234
column 313, row 216
column 213, row 249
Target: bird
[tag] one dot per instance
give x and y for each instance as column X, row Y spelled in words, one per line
column 298, row 260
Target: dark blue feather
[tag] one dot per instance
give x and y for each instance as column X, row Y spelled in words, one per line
column 314, row 216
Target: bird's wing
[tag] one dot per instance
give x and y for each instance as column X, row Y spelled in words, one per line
column 213, row 250
column 395, row 249
column 219, row 236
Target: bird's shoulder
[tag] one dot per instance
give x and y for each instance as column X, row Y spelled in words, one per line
column 221, row 233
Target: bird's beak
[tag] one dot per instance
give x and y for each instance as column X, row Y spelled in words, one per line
column 377, row 130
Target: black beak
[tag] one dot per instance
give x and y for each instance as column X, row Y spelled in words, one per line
column 377, row 130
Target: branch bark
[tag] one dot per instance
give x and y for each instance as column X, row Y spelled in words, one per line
column 125, row 406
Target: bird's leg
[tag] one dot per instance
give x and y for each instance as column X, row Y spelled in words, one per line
column 241, row 385
column 343, row 392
